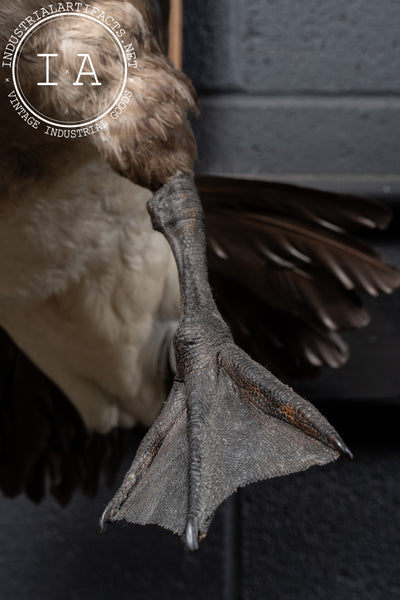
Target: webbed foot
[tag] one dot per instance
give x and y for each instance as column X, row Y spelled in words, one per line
column 227, row 421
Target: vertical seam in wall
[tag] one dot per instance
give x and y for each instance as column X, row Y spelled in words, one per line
column 232, row 548
column 235, row 42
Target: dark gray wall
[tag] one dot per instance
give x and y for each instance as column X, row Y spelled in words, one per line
column 327, row 534
column 298, row 89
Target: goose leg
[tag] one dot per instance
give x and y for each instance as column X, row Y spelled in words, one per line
column 227, row 421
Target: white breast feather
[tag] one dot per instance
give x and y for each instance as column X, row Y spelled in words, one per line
column 88, row 289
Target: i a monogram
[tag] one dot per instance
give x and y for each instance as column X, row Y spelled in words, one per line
column 86, row 60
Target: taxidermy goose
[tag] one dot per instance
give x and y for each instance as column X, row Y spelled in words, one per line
column 108, row 298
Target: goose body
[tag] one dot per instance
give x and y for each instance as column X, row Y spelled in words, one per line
column 91, row 293
column 88, row 290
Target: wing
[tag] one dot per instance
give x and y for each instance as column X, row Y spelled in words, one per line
column 285, row 272
column 43, row 441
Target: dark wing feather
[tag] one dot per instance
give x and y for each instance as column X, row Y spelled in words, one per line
column 298, row 274
column 43, row 441
column 340, row 212
column 290, row 344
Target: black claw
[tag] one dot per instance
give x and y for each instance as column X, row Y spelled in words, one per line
column 105, row 519
column 341, row 446
column 191, row 535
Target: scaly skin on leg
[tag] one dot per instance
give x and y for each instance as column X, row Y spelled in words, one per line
column 228, row 421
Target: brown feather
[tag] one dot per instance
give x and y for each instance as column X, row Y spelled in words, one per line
column 300, row 280
column 288, row 344
column 340, row 212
